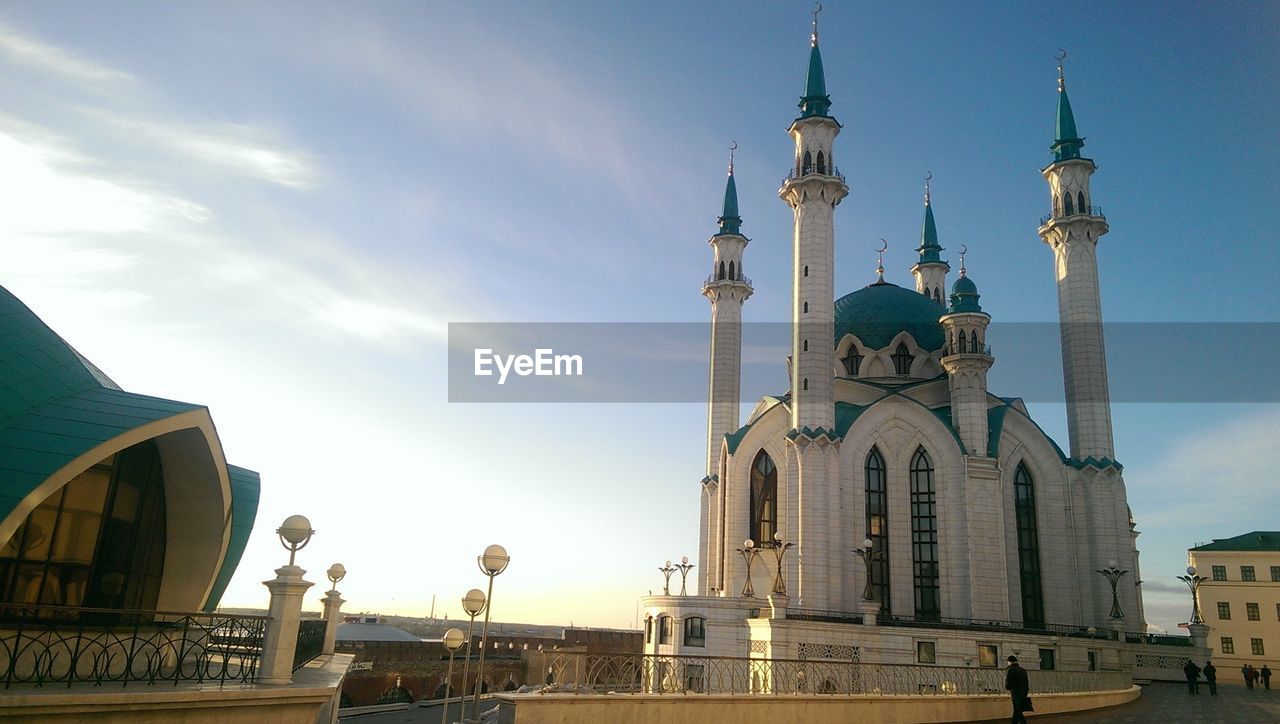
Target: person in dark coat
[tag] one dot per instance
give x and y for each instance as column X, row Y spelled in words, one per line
column 1266, row 677
column 1211, row 677
column 1193, row 677
column 1019, row 688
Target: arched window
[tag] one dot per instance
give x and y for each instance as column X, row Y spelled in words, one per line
column 764, row 498
column 721, row 276
column 806, row 270
column 1057, row 205
column 664, row 629
column 937, row 296
column 1024, row 506
column 807, row 166
column 648, row 629
column 973, row 341
column 878, row 528
column 853, row 361
column 902, row 359
column 961, row 349
column 1080, row 203
column 806, row 383
column 924, row 538
column 732, row 276
column 822, row 163
column 695, row 631
column 1068, row 209
column 806, row 307
column 806, row 345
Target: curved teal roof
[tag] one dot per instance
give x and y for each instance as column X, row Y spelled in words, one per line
column 964, row 295
column 1066, row 141
column 877, row 313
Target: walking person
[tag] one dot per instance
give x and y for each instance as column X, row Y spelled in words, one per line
column 1266, row 677
column 1247, row 671
column 1211, row 677
column 1192, row 673
column 1019, row 688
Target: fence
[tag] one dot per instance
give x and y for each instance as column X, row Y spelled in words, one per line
column 310, row 641
column 57, row 644
column 654, row 674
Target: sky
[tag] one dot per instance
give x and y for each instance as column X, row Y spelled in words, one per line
column 277, row 209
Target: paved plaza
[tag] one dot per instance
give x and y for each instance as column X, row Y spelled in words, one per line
column 1167, row 702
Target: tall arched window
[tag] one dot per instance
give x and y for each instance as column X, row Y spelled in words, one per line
column 807, row 166
column 962, row 348
column 732, row 276
column 764, row 499
column 878, row 528
column 924, row 538
column 721, row 270
column 1080, row 203
column 853, row 361
column 822, row 163
column 902, row 359
column 1024, row 506
column 973, row 341
column 1068, row 208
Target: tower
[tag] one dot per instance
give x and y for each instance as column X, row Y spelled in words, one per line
column 966, row 360
column 930, row 271
column 1072, row 229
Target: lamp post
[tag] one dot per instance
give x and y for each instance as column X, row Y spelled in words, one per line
column 492, row 562
column 685, row 566
column 780, row 552
column 452, row 641
column 1193, row 582
column 473, row 603
column 295, row 533
column 866, row 552
column 332, row 606
column 1113, row 574
column 749, row 553
column 666, row 570
column 279, row 641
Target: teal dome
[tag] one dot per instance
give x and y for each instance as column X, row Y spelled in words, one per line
column 877, row 313
column 964, row 285
column 964, row 295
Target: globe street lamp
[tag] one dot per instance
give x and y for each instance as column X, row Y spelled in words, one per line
column 1193, row 582
column 1113, row 574
column 749, row 553
column 685, row 566
column 666, row 571
column 453, row 641
column 473, row 603
column 295, row 533
column 336, row 573
column 780, row 551
column 866, row 552
column 492, row 562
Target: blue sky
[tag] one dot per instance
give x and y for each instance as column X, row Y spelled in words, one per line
column 276, row 210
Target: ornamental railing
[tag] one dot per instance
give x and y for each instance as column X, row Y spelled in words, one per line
column 814, row 171
column 585, row 673
column 310, row 641
column 969, row 624
column 1156, row 639
column 1082, row 211
column 740, row 279
column 62, row 645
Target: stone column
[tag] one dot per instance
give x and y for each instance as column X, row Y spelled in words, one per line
column 869, row 610
column 1199, row 635
column 281, row 638
column 332, row 610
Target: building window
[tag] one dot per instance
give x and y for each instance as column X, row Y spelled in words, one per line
column 1093, row 660
column 664, row 629
column 1275, row 573
column 806, row 345
column 926, row 652
column 807, row 165
column 806, row 307
column 924, row 538
column 1228, row 646
column 1080, row 203
column 1224, row 611
column 1278, row 611
column 1256, row 644
column 96, row 542
column 822, row 163
column 695, row 631
column 853, row 361
column 988, row 656
column 1024, row 505
column 878, row 528
column 764, row 499
column 1251, row 612
column 1219, row 573
column 902, row 359
column 648, row 629
column 1247, row 574
column 1046, row 660
column 721, row 270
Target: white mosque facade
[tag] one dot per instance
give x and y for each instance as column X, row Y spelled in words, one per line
column 986, row 538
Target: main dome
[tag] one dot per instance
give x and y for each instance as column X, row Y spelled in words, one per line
column 876, row 314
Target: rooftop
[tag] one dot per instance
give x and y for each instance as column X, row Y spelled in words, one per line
column 1258, row 540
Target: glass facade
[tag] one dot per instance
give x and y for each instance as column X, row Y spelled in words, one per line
column 924, row 538
column 1024, row 504
column 878, row 528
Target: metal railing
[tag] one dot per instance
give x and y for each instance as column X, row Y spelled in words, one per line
column 585, row 673
column 1055, row 629
column 1131, row 637
column 740, row 279
column 310, row 641
column 1082, row 211
column 814, row 171
column 63, row 645
column 982, row 349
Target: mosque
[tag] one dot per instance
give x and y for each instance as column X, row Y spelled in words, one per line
column 890, row 507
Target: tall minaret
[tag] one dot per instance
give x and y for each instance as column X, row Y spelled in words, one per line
column 812, row 189
column 966, row 360
column 930, row 271
column 727, row 289
column 1072, row 229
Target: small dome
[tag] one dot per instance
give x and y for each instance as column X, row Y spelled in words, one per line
column 964, row 285
column 877, row 313
column 964, row 296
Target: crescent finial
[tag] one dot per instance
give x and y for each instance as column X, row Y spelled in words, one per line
column 733, row 146
column 1062, row 54
column 884, row 246
column 816, row 10
column 964, row 249
column 1062, row 82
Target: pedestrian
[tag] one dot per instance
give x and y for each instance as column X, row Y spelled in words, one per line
column 1019, row 688
column 1266, row 677
column 1211, row 677
column 1193, row 677
column 1247, row 671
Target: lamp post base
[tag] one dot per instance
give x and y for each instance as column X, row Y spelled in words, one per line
column 869, row 610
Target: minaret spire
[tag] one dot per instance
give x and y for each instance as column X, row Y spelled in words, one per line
column 730, row 222
column 930, row 271
column 1066, row 142
column 815, row 101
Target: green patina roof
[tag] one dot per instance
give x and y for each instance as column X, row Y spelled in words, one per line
column 730, row 222
column 929, row 246
column 1258, row 540
column 1066, row 141
column 815, row 101
column 964, row 296
column 877, row 313
column 245, row 490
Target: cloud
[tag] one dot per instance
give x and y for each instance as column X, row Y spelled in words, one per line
column 49, row 58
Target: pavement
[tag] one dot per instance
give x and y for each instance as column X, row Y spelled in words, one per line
column 1170, row 703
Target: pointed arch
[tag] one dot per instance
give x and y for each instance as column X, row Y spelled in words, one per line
column 721, row 276
column 764, row 499
column 902, row 359
column 962, row 348
column 732, row 275
column 1068, row 208
column 822, row 163
column 1024, row 506
column 853, row 360
column 973, row 341
column 924, row 538
column 1080, row 203
column 807, row 166
column 877, row 508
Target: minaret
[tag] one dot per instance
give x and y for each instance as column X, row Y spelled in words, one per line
column 930, row 271
column 966, row 360
column 727, row 288
column 812, row 189
column 1072, row 229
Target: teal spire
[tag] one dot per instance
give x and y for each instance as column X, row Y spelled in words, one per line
column 929, row 246
column 815, row 101
column 964, row 293
column 730, row 222
column 1066, row 141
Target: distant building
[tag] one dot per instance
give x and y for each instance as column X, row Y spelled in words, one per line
column 1241, row 600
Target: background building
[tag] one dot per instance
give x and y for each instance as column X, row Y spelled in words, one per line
column 1241, row 600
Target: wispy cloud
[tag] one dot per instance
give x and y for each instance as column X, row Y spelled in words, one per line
column 48, row 58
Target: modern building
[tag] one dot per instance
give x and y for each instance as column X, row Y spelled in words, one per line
column 1241, row 600
column 889, row 485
